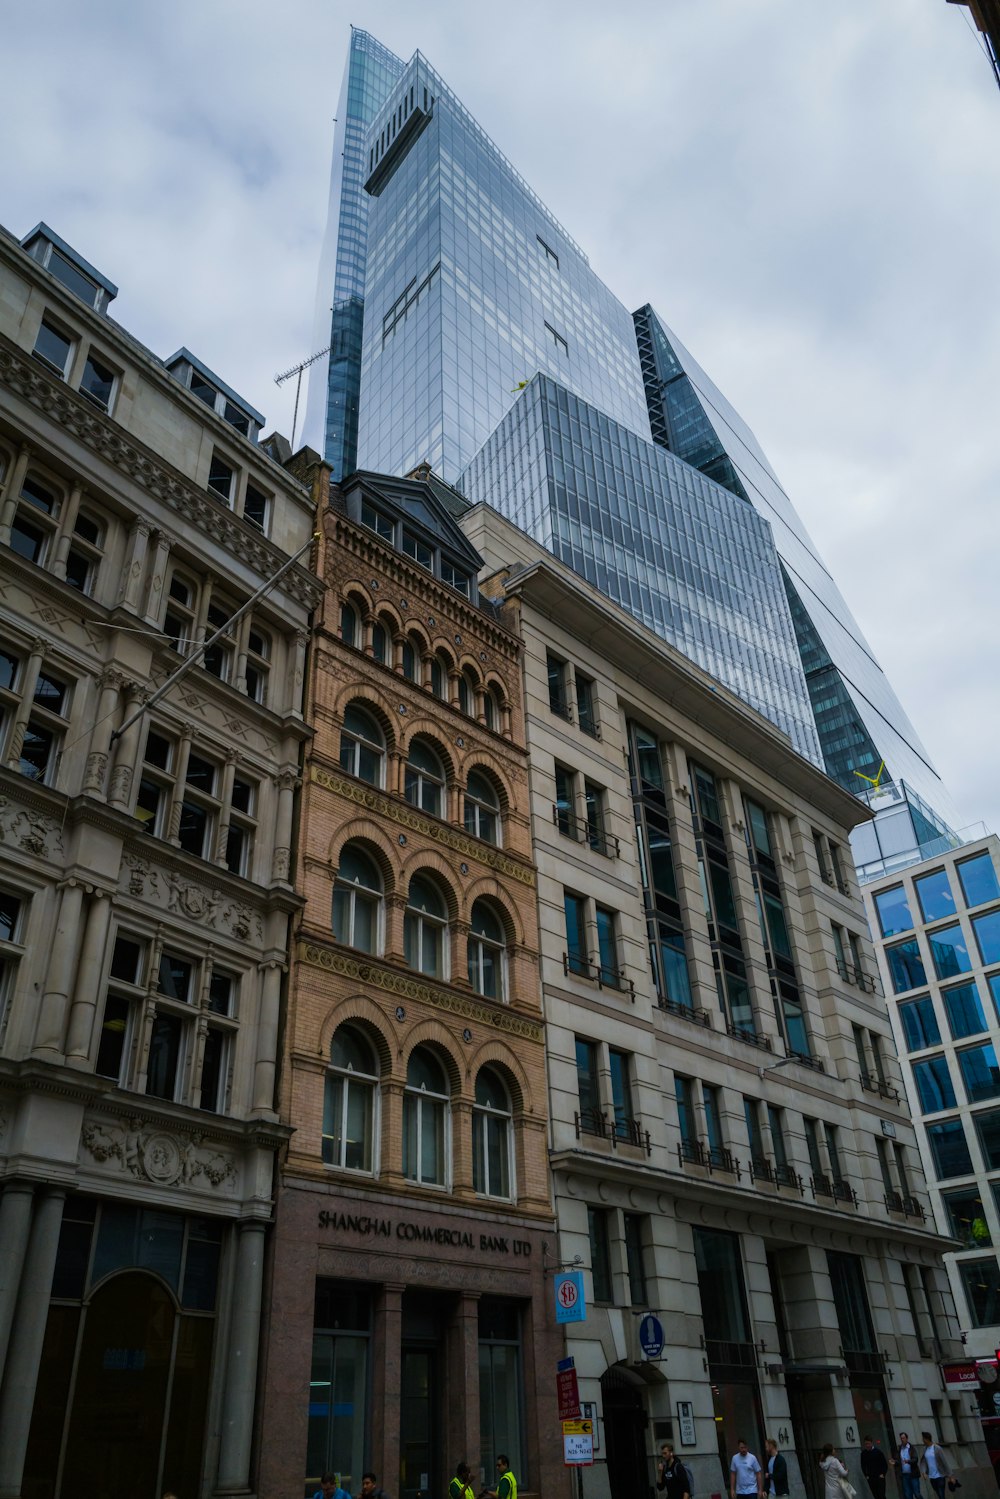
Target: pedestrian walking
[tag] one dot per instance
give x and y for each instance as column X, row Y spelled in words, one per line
column 875, row 1466
column 745, row 1477
column 837, row 1481
column 909, row 1467
column 776, row 1469
column 934, row 1465
column 506, row 1482
column 672, row 1479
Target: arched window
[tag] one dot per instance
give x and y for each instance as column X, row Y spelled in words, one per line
column 357, row 901
column 424, row 781
column 486, row 952
column 490, row 711
column 349, row 1102
column 362, row 747
column 425, row 929
column 425, row 1120
column 410, row 659
column 380, row 644
column 491, row 1136
column 465, row 695
column 482, row 808
column 350, row 625
column 439, row 678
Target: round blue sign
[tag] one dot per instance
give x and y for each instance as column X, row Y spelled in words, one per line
column 651, row 1336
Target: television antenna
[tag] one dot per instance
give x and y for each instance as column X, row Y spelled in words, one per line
column 297, row 369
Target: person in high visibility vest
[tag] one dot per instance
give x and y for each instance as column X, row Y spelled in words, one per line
column 460, row 1487
column 506, row 1484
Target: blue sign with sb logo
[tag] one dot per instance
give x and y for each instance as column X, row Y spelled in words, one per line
column 651, row 1336
column 570, row 1305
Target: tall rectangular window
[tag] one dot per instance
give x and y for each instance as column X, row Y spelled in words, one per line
column 576, row 933
column 588, row 1084
column 501, row 1391
column 684, row 1095
column 776, row 1127
column 585, row 715
column 919, row 1023
column 620, row 1064
column 755, row 1136
column 850, row 1298
column 556, row 672
column 635, row 1258
column 600, row 1254
column 713, row 1120
column 934, row 895
column 607, row 946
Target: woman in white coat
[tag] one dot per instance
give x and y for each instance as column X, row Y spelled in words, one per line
column 835, row 1474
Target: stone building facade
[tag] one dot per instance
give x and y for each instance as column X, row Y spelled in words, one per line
column 731, row 1150
column 145, row 845
column 409, row 1321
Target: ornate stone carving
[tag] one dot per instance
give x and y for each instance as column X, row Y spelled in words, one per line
column 500, row 1018
column 243, row 921
column 96, row 771
column 152, row 1155
column 192, row 901
column 401, row 812
column 29, row 830
column 121, row 784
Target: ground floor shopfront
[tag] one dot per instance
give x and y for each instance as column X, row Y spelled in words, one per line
column 404, row 1338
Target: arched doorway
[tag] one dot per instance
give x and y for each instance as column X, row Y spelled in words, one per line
column 115, row 1439
column 625, row 1433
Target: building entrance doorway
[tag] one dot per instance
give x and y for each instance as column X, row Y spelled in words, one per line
column 118, row 1417
column 625, row 1423
column 419, row 1417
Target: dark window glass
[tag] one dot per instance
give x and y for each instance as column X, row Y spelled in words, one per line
column 979, row 879
column 967, row 1218
column 600, row 1254
column 760, row 836
column 586, row 1078
column 114, row 1028
column 707, row 797
column 647, row 752
column 220, row 477
column 661, row 856
column 36, row 751
column 906, row 966
column 8, row 669
column 776, row 1129
column 676, row 980
column 721, row 1283
column 164, row 1057
column 220, row 993
column 777, row 927
column 236, row 418
column 934, row 895
column 418, row 550
column 75, row 281
column 201, row 1274
column 255, row 506
column 78, row 571
column 987, row 930
column 27, row 540
column 211, row 1072
column 126, row 961
column 174, row 978
column 37, row 494
column 893, row 911
column 10, row 909
column 97, row 383
column 52, row 347
column 576, row 934
column 980, row 1072
column 193, row 829
column 565, row 808
column 950, row 1148
column 200, row 774
column 201, row 388
column 964, row 1011
column 920, row 1025
column 50, row 693
column 376, row 521
column 621, row 1091
column 556, row 672
column 585, row 704
column 635, row 1259
column 684, row 1095
column 934, row 1085
column 607, row 945
column 981, row 1279
column 949, row 952
column 850, row 1299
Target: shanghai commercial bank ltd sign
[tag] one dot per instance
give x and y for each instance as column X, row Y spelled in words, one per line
column 421, row 1233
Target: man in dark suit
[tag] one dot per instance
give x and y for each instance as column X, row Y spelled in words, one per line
column 874, row 1466
column 776, row 1470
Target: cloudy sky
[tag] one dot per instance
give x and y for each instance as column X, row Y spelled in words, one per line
column 809, row 193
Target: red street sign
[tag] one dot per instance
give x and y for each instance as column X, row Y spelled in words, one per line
column 960, row 1376
column 568, row 1394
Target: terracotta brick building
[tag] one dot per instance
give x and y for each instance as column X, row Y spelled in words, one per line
column 410, row 1321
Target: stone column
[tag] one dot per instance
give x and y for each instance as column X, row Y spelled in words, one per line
column 95, row 775
column 387, row 1361
column 157, row 578
column 297, row 676
column 15, row 1222
column 84, row 1007
column 50, row 1029
column 130, row 591
column 281, row 860
column 180, row 777
column 225, row 797
column 126, row 751
column 67, row 521
column 13, row 493
column 28, row 683
column 267, row 1039
column 28, row 1331
column 462, row 1421
column 241, row 1362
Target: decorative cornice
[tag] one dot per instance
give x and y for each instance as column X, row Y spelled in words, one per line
column 157, row 478
column 380, row 805
column 405, row 985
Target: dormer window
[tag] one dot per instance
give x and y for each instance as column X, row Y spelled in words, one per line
column 454, row 577
column 376, row 521
column 215, row 394
column 418, row 550
column 74, row 280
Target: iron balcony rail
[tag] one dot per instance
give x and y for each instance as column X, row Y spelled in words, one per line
column 913, row 1209
column 583, row 831
column 761, row 1169
column 740, row 1355
column 821, row 1185
column 837, row 1189
column 844, row 1192
column 711, row 1157
column 563, row 708
column 605, row 978
column 753, row 1038
column 874, row 1084
column 626, row 1131
column 787, row 1176
column 863, row 1360
column 685, row 1012
column 894, row 1202
column 805, row 1060
column 866, row 982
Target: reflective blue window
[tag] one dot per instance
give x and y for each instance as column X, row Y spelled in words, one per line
column 965, row 1013
column 979, row 880
column 934, row 1085
column 949, row 952
column 987, row 930
column 988, row 1130
column 993, row 979
column 950, row 1148
column 920, row 1025
column 906, row 966
column 980, row 1072
column 893, row 911
column 934, row 894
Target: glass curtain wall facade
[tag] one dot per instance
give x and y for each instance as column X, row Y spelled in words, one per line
column 470, row 288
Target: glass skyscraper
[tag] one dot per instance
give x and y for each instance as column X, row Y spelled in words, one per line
column 623, row 458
